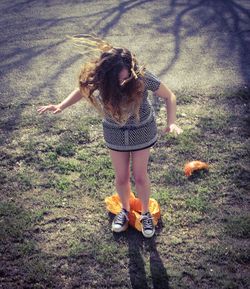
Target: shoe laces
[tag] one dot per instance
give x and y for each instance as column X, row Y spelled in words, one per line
column 147, row 221
column 121, row 217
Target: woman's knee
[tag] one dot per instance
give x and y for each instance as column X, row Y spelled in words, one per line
column 122, row 180
column 141, row 179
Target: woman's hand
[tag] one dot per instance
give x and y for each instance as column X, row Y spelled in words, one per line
column 51, row 107
column 173, row 128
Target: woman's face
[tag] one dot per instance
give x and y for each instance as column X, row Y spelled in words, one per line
column 123, row 75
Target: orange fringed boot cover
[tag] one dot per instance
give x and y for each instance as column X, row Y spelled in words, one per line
column 114, row 206
column 190, row 167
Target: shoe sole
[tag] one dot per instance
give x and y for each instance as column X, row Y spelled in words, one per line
column 148, row 235
column 124, row 228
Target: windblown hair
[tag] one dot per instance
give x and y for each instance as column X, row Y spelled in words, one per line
column 99, row 82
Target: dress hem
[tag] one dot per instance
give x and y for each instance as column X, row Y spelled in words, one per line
column 133, row 148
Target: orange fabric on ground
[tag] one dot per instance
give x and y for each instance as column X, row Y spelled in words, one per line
column 114, row 206
column 190, row 167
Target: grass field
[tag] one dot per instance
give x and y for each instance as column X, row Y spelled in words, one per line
column 56, row 172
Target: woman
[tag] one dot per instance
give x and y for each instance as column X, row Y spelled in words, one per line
column 116, row 86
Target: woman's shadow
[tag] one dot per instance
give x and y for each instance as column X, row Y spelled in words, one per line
column 137, row 245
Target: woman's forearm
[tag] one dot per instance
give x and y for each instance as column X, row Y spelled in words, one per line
column 171, row 109
column 72, row 98
column 165, row 93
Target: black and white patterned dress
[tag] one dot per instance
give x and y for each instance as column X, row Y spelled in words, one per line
column 134, row 135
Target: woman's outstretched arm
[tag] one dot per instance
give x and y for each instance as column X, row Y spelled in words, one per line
column 71, row 99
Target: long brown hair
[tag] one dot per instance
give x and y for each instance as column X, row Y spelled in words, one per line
column 99, row 83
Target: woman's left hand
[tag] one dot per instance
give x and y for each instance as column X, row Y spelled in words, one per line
column 173, row 128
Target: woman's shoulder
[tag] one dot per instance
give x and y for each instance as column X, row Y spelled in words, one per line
column 151, row 81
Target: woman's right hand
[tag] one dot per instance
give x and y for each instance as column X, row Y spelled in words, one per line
column 51, row 107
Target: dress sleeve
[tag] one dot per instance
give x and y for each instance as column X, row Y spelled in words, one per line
column 151, row 81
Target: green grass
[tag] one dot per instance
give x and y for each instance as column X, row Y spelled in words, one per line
column 54, row 228
column 238, row 226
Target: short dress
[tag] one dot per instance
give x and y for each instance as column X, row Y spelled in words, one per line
column 134, row 135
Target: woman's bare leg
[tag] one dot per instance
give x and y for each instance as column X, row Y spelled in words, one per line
column 140, row 171
column 121, row 163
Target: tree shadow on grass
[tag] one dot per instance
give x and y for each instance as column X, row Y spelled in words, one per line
column 228, row 18
column 137, row 246
column 113, row 15
column 14, row 109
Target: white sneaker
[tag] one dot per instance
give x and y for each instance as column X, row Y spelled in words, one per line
column 120, row 222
